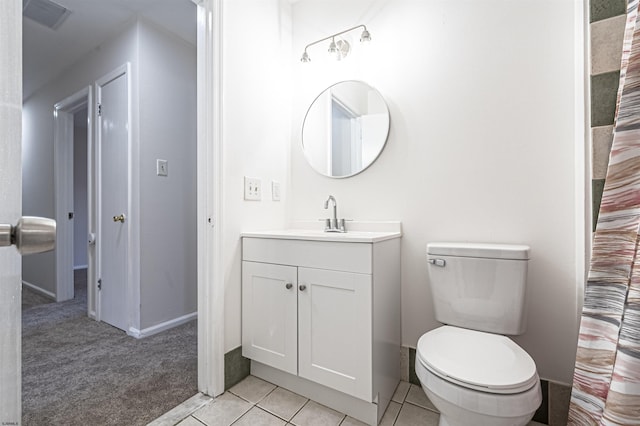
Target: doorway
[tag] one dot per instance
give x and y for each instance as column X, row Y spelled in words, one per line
column 72, row 148
column 210, row 278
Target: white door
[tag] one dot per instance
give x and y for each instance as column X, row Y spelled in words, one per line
column 269, row 326
column 38, row 235
column 113, row 139
column 335, row 330
column 10, row 207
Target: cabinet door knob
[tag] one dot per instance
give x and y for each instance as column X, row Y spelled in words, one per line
column 302, row 287
column 288, row 286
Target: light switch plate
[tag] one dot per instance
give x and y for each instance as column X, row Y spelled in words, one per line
column 162, row 167
column 275, row 190
column 252, row 189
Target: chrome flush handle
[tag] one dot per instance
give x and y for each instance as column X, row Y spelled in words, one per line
column 438, row 262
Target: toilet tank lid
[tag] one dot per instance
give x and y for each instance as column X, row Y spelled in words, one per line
column 481, row 250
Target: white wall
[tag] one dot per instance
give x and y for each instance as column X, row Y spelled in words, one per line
column 256, row 130
column 80, row 212
column 163, row 126
column 167, row 90
column 482, row 143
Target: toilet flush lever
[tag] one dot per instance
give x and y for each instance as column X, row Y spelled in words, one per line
column 438, row 262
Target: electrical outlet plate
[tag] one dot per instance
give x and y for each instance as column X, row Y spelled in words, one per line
column 252, row 189
column 275, row 190
column 162, row 167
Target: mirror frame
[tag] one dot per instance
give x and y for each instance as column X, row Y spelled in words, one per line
column 384, row 144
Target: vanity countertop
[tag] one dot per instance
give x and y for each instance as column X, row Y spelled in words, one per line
column 317, row 235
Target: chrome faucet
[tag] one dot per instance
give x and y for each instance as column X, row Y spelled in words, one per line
column 333, row 224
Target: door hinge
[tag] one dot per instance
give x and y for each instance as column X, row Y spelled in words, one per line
column 99, row 110
column 100, row 284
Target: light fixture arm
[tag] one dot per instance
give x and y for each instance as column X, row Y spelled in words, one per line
column 334, row 35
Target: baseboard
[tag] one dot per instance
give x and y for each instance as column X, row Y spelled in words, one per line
column 236, row 367
column 39, row 290
column 75, row 268
column 150, row 331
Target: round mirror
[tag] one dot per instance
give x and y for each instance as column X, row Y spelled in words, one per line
column 345, row 129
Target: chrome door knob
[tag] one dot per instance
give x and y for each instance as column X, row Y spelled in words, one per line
column 30, row 235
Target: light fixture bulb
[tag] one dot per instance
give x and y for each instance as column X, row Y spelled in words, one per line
column 332, row 47
column 342, row 49
column 365, row 36
column 305, row 57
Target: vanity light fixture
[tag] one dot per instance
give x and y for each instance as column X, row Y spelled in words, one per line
column 340, row 48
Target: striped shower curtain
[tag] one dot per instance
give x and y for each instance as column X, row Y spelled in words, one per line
column 606, row 382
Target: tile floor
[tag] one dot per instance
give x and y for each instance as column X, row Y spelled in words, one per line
column 256, row 402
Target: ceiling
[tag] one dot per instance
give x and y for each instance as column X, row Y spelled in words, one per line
column 47, row 52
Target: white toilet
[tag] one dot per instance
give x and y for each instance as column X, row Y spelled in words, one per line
column 472, row 373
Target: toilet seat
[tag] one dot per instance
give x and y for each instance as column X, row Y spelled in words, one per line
column 494, row 409
column 477, row 360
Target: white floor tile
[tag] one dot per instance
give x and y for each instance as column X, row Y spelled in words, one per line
column 314, row 414
column 223, row 410
column 258, row 417
column 181, row 411
column 350, row 421
column 283, row 403
column 412, row 415
column 401, row 392
column 189, row 421
column 391, row 414
column 252, row 389
column 416, row 396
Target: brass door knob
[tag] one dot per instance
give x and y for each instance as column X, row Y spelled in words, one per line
column 119, row 218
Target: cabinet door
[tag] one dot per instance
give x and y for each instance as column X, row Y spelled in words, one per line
column 334, row 330
column 269, row 315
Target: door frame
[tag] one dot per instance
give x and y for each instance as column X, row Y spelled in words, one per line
column 210, row 217
column 132, row 224
column 209, row 200
column 63, row 188
column 210, row 271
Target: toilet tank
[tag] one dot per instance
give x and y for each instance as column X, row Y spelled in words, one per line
column 479, row 286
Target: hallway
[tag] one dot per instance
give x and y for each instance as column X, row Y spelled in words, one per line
column 77, row 371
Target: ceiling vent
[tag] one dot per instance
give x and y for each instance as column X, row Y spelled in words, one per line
column 45, row 12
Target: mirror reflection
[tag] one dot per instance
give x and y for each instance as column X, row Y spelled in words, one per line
column 345, row 129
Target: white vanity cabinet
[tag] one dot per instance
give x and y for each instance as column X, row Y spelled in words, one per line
column 321, row 317
column 270, row 314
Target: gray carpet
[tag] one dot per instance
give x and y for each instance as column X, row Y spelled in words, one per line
column 76, row 371
column 30, row 298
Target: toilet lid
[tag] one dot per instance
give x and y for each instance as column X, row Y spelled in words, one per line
column 478, row 360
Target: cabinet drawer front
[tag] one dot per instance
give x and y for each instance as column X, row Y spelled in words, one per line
column 335, row 329
column 350, row 257
column 270, row 315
